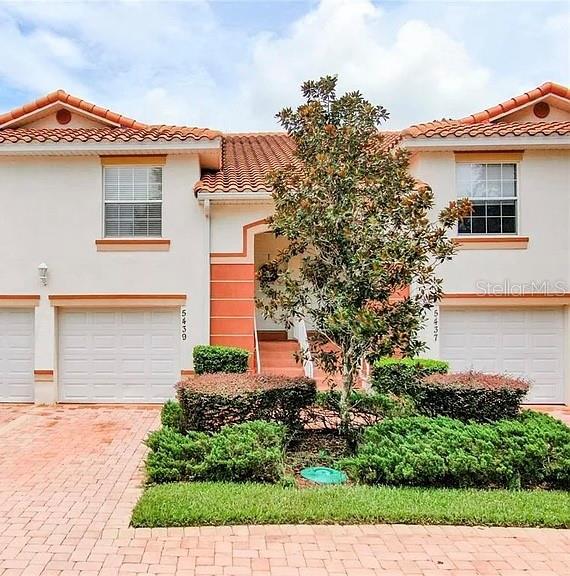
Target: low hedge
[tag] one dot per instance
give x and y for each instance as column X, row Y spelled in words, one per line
column 530, row 451
column 252, row 451
column 470, row 396
column 399, row 375
column 211, row 401
column 463, row 395
column 212, row 359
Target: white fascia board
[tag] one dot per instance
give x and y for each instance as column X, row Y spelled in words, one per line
column 234, row 196
column 495, row 142
column 39, row 148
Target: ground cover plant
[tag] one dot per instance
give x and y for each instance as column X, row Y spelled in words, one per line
column 530, row 451
column 250, row 451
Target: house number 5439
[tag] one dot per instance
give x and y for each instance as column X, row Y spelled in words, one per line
column 183, row 320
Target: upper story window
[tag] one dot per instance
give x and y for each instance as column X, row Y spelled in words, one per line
column 492, row 189
column 133, row 201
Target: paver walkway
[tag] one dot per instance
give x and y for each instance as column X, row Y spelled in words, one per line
column 69, row 477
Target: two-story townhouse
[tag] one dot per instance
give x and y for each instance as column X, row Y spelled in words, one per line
column 123, row 245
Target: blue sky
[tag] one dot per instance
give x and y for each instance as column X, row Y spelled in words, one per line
column 232, row 65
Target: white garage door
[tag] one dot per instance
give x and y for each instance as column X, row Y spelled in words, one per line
column 118, row 355
column 522, row 342
column 16, row 355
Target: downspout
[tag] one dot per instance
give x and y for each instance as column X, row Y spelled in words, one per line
column 207, row 244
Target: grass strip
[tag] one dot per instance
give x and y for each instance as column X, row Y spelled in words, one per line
column 218, row 503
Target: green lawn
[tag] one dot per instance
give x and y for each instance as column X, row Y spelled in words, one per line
column 205, row 503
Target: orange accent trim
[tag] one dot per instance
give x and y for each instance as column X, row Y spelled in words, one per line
column 117, row 297
column 246, row 342
column 231, row 326
column 132, row 241
column 19, row 297
column 486, row 156
column 232, row 290
column 118, row 300
column 43, row 372
column 244, row 242
column 187, row 372
column 492, row 243
column 460, row 295
column 19, row 300
column 232, row 308
column 126, row 160
column 479, row 299
column 132, row 245
column 225, row 272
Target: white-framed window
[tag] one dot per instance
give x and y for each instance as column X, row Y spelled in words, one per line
column 132, row 197
column 492, row 189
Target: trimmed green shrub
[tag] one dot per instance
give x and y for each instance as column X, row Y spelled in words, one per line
column 211, row 359
column 470, row 396
column 171, row 414
column 211, row 401
column 463, row 395
column 253, row 451
column 530, row 451
column 401, row 375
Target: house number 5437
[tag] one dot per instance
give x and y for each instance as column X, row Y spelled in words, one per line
column 183, row 320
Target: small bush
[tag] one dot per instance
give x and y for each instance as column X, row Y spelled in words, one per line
column 532, row 450
column 366, row 408
column 246, row 452
column 470, row 396
column 211, row 401
column 399, row 375
column 212, row 359
column 171, row 414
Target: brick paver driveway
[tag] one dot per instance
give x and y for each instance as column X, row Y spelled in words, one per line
column 69, row 477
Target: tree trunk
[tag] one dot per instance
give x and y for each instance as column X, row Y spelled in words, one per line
column 348, row 374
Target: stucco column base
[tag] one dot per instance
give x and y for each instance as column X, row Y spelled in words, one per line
column 45, row 393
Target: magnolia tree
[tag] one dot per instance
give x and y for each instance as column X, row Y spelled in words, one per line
column 359, row 234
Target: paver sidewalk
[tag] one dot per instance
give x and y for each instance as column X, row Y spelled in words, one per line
column 69, row 477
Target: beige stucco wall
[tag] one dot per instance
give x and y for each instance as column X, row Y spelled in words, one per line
column 228, row 220
column 544, row 216
column 52, row 212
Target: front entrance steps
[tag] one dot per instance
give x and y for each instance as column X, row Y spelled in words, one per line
column 277, row 356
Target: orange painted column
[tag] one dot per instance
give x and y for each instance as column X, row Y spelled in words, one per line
column 232, row 305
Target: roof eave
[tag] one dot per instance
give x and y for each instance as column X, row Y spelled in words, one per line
column 233, row 197
column 490, row 142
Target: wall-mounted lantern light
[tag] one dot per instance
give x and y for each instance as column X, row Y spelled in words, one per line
column 43, row 271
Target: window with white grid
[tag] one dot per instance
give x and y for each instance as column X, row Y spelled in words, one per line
column 492, row 189
column 133, row 201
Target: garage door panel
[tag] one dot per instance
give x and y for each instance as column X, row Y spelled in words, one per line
column 126, row 355
column 16, row 355
column 526, row 343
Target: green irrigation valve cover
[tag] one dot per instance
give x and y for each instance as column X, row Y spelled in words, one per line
column 322, row 475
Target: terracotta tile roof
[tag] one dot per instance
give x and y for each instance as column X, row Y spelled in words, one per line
column 459, row 129
column 518, row 101
column 248, row 158
column 125, row 129
column 65, row 98
column 107, row 134
column 487, row 123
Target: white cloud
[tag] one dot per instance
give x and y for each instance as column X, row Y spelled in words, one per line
column 420, row 73
column 176, row 62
